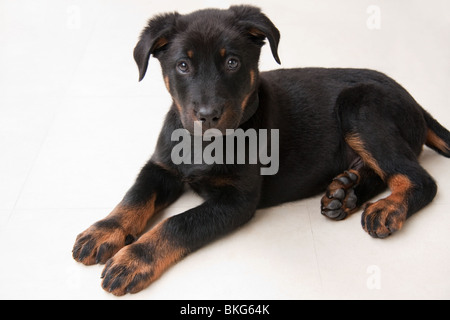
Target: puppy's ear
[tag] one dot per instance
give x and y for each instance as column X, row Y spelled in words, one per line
column 258, row 26
column 153, row 38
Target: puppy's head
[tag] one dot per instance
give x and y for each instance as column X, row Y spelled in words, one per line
column 209, row 60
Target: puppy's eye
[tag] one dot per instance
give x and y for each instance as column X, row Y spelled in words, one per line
column 232, row 64
column 183, row 67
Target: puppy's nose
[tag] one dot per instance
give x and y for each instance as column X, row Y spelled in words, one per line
column 208, row 116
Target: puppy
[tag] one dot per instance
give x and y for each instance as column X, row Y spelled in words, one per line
column 350, row 133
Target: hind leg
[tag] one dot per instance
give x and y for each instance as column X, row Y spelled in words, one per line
column 411, row 190
column 388, row 134
column 396, row 164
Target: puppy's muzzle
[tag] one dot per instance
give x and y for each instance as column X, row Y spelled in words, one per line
column 209, row 116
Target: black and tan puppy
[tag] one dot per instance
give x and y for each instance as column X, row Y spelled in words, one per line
column 347, row 132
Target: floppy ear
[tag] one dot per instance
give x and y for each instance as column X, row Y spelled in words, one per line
column 258, row 26
column 153, row 39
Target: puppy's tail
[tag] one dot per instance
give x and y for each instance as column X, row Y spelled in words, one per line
column 438, row 138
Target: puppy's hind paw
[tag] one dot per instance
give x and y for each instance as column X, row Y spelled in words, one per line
column 340, row 199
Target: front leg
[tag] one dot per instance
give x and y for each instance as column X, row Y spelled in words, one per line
column 136, row 266
column 155, row 188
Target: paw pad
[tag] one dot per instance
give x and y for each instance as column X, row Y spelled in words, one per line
column 340, row 199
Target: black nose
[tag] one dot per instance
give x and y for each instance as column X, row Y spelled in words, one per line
column 208, row 116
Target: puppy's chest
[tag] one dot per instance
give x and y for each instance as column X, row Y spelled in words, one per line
column 208, row 180
column 204, row 179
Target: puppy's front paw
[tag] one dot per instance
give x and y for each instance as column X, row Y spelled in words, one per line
column 134, row 267
column 340, row 199
column 129, row 271
column 100, row 242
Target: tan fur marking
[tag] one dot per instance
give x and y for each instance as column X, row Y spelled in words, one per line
column 112, row 233
column 164, row 254
column 256, row 32
column 252, row 78
column 180, row 110
column 167, row 253
column 167, row 83
column 222, row 52
column 190, row 54
column 134, row 219
column 435, row 141
column 390, row 212
column 355, row 142
column 244, row 102
column 161, row 42
column 399, row 185
column 222, row 181
column 252, row 83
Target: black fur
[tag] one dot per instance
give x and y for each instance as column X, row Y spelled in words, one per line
column 329, row 121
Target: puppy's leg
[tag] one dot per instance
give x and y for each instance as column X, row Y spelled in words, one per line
column 350, row 190
column 136, row 266
column 387, row 130
column 412, row 188
column 155, row 188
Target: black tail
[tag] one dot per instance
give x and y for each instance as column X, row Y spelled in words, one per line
column 438, row 138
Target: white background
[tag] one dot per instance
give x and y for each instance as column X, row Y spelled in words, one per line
column 76, row 126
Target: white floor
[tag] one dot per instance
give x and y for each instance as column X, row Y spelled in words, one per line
column 76, row 126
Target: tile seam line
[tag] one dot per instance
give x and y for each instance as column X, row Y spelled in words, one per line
column 315, row 249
